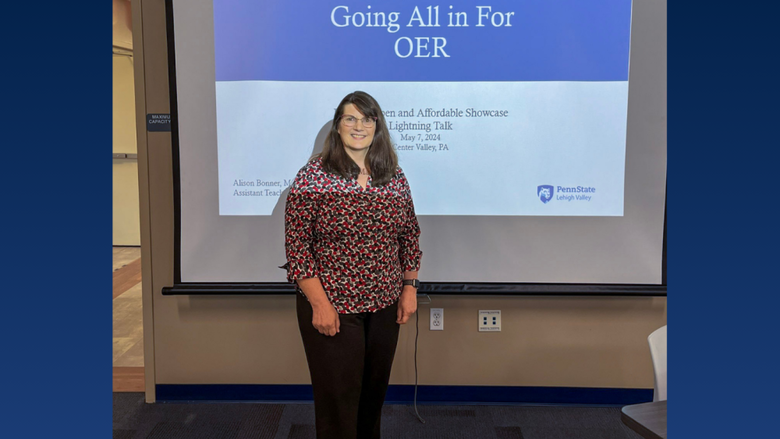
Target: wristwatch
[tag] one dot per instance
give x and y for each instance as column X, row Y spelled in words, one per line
column 413, row 282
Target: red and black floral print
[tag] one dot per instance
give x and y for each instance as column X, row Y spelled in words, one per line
column 357, row 241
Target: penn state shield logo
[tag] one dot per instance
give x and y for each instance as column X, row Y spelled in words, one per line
column 545, row 193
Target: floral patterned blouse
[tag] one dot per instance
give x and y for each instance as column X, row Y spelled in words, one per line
column 357, row 241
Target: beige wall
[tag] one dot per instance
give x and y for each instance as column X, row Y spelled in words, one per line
column 122, row 23
column 126, row 226
column 545, row 341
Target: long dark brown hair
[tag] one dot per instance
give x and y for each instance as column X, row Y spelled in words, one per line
column 381, row 159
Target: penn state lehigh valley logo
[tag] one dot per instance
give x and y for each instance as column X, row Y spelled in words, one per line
column 545, row 193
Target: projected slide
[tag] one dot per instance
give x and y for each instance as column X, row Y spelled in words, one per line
column 500, row 108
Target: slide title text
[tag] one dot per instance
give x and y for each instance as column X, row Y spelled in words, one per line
column 420, row 47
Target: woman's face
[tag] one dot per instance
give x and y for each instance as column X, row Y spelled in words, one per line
column 356, row 137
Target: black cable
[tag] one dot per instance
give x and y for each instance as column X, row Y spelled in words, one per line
column 416, row 336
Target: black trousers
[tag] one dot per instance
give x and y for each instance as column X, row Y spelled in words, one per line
column 350, row 371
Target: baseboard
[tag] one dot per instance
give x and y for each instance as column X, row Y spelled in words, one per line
column 403, row 394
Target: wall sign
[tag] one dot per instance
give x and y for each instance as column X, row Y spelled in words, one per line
column 158, row 122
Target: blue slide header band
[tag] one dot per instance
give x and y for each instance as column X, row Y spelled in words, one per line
column 341, row 40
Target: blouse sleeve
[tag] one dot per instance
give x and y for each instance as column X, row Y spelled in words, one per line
column 409, row 238
column 299, row 216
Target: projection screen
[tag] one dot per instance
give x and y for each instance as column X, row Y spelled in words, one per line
column 533, row 134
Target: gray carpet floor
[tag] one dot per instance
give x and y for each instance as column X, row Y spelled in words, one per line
column 134, row 419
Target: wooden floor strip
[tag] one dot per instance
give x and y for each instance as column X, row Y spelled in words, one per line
column 127, row 277
column 128, row 379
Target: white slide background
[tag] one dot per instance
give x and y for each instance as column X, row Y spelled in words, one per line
column 555, row 133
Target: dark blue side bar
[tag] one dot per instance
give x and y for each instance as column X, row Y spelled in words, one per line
column 405, row 394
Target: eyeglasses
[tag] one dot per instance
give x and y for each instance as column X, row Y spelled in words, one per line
column 350, row 121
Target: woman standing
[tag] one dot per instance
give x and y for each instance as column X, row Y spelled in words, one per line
column 352, row 245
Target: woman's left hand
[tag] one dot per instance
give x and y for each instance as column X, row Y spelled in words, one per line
column 407, row 304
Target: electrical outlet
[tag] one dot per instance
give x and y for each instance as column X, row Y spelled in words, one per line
column 437, row 319
column 489, row 320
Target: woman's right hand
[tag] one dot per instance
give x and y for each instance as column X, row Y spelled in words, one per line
column 325, row 319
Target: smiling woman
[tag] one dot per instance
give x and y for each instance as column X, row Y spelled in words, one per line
column 352, row 246
column 352, row 147
column 356, row 130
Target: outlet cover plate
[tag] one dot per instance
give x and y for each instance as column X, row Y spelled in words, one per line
column 437, row 319
column 490, row 320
